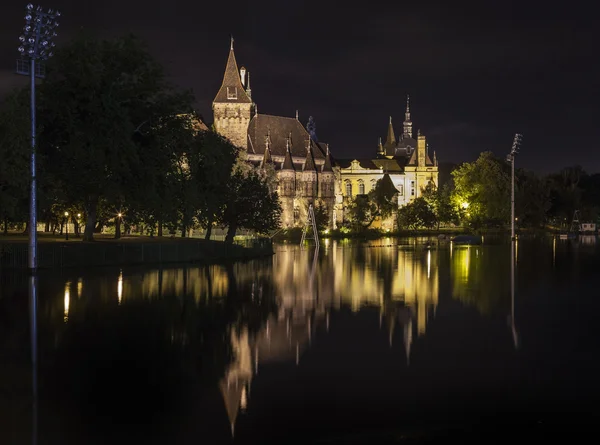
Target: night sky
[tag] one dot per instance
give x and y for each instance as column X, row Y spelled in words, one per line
column 476, row 73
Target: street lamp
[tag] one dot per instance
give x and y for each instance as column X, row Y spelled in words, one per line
column 36, row 43
column 511, row 158
column 67, row 226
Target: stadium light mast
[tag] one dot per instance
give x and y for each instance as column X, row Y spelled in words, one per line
column 36, row 45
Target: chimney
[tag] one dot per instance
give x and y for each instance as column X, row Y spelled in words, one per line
column 243, row 76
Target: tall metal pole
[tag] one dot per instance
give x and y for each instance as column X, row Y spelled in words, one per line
column 512, row 199
column 36, row 44
column 511, row 157
column 33, row 194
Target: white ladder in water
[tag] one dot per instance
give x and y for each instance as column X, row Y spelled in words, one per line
column 310, row 223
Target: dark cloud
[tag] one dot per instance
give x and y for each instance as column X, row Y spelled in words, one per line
column 476, row 72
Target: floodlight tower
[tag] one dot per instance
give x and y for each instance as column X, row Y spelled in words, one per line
column 36, row 44
column 511, row 158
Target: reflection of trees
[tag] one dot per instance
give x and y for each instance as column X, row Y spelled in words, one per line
column 148, row 358
column 481, row 276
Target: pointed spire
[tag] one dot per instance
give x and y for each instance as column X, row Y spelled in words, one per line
column 297, row 115
column 309, row 164
column 267, row 155
column 288, row 164
column 327, row 164
column 380, row 147
column 407, row 130
column 434, row 159
column 390, row 143
column 231, row 43
column 232, row 90
column 248, row 89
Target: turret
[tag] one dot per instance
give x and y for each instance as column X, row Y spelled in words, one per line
column 326, row 177
column 380, row 151
column 309, row 173
column 232, row 106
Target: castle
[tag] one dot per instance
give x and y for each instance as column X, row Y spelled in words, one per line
column 306, row 171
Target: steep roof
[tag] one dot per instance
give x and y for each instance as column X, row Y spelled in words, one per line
column 267, row 156
column 309, row 165
column 327, row 164
column 388, row 185
column 231, row 80
column 280, row 128
column 390, row 142
column 287, row 161
column 388, row 165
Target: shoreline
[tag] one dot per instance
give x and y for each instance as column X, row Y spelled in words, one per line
column 130, row 251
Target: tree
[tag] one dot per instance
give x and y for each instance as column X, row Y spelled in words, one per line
column 321, row 215
column 440, row 201
column 362, row 212
column 532, row 199
column 14, row 155
column 482, row 191
column 95, row 95
column 416, row 214
column 385, row 197
column 248, row 202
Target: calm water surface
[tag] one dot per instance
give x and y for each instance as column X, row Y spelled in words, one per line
column 358, row 341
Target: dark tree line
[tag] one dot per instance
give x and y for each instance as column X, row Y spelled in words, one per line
column 477, row 195
column 118, row 143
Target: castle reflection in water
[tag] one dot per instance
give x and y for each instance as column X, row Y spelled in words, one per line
column 401, row 282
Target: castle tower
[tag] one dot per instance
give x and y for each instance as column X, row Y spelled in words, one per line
column 232, row 106
column 407, row 133
column 309, row 174
column 327, row 186
column 287, row 186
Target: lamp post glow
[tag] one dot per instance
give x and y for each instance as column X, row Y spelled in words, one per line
column 67, row 226
column 511, row 158
column 36, row 44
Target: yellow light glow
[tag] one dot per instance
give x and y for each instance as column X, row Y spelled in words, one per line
column 464, row 204
column 66, row 213
column 79, row 215
column 326, row 231
column 79, row 287
column 120, row 287
column 119, row 215
column 428, row 264
column 67, row 300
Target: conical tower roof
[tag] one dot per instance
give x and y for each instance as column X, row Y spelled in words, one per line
column 309, row 165
column 391, row 138
column 232, row 90
column 287, row 161
column 327, row 165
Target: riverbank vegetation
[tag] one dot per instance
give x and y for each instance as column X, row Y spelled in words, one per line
column 119, row 146
column 477, row 198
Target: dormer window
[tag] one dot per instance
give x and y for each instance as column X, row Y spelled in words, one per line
column 231, row 92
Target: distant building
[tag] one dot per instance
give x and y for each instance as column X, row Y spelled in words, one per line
column 406, row 160
column 306, row 171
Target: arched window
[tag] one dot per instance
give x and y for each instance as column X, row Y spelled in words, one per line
column 348, row 188
column 361, row 188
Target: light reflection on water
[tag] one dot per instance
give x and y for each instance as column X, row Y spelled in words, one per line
column 224, row 326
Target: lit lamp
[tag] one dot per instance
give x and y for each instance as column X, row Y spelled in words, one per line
column 36, row 44
column 118, row 226
column 67, row 226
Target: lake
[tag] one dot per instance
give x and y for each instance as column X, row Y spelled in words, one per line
column 357, row 342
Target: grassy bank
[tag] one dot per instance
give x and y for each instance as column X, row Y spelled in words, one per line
column 56, row 252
